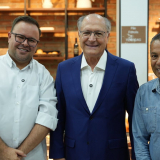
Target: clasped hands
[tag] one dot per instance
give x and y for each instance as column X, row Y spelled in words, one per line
column 12, row 154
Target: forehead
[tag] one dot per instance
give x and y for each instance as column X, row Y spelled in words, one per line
column 27, row 29
column 93, row 22
column 155, row 46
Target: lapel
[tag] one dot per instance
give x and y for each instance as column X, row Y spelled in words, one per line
column 76, row 72
column 108, row 77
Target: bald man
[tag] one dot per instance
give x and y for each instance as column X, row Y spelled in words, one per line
column 94, row 91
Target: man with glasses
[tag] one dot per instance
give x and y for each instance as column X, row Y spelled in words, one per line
column 94, row 90
column 27, row 96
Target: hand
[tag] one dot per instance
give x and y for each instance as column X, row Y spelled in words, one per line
column 12, row 154
column 60, row 159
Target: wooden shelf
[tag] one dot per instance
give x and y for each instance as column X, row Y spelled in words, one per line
column 49, row 58
column 45, row 10
column 52, row 31
column 4, row 31
column 43, row 31
column 102, row 9
column 11, row 9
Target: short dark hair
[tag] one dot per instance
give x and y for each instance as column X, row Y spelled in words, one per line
column 156, row 37
column 26, row 19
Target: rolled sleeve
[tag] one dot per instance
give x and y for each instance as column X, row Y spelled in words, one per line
column 47, row 113
column 47, row 120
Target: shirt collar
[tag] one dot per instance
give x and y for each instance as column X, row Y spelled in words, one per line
column 101, row 63
column 156, row 85
column 11, row 63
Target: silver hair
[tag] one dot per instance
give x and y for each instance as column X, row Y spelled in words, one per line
column 107, row 22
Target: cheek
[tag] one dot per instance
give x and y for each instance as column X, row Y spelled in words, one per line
column 153, row 63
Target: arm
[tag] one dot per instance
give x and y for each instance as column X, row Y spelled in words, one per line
column 46, row 114
column 132, row 88
column 37, row 134
column 140, row 134
column 7, row 153
column 56, row 138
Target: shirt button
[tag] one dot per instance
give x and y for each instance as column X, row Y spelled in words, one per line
column 22, row 80
column 146, row 109
column 91, row 85
column 19, row 86
column 17, row 103
column 15, row 139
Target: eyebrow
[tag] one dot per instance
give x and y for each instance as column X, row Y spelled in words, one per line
column 153, row 53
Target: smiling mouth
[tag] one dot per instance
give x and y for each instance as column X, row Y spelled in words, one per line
column 92, row 45
column 23, row 49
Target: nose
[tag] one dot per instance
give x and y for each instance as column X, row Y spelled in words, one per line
column 158, row 61
column 92, row 37
column 25, row 43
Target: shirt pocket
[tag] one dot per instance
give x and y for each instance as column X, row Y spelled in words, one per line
column 32, row 96
column 149, row 118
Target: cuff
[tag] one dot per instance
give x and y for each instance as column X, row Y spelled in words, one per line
column 46, row 120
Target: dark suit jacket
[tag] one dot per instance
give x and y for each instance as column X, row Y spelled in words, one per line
column 100, row 135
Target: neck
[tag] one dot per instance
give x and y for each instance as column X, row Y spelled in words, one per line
column 20, row 65
column 92, row 61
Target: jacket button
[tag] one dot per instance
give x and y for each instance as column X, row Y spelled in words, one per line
column 88, row 143
column 91, row 118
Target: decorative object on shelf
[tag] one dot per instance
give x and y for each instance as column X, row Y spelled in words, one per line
column 76, row 48
column 84, row 3
column 47, row 4
column 41, row 53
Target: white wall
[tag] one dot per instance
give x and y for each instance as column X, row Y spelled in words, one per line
column 134, row 13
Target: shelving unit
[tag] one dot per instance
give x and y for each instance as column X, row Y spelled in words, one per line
column 65, row 10
column 102, row 9
column 49, row 58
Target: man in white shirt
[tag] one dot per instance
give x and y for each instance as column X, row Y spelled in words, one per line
column 27, row 96
column 94, row 90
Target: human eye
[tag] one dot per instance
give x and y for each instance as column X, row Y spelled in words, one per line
column 99, row 34
column 154, row 56
column 86, row 33
column 32, row 40
column 20, row 37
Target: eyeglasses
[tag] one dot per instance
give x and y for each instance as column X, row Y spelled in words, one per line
column 97, row 34
column 21, row 38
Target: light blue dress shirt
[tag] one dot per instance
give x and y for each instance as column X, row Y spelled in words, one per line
column 27, row 97
column 146, row 121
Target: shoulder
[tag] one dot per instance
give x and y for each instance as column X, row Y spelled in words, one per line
column 147, row 86
column 39, row 68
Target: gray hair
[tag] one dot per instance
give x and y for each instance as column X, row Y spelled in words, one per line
column 107, row 22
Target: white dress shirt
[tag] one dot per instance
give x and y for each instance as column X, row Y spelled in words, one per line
column 91, row 81
column 27, row 97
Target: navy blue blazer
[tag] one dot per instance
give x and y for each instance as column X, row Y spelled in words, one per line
column 100, row 135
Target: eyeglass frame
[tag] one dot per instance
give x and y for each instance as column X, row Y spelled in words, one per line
column 24, row 39
column 81, row 32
